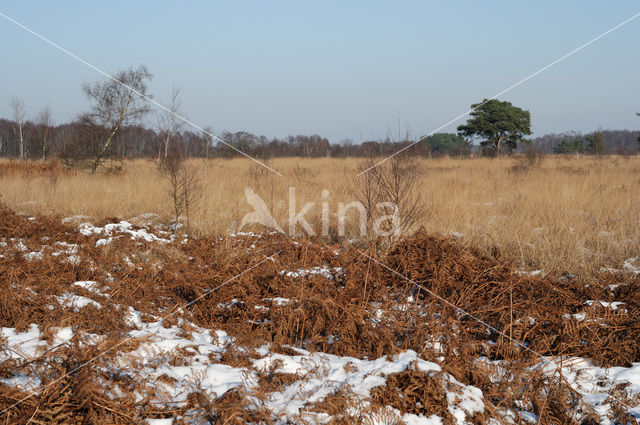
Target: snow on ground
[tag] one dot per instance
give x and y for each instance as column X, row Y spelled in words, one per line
column 329, row 273
column 90, row 285
column 324, row 374
column 183, row 357
column 194, row 371
column 615, row 305
column 594, row 383
column 116, row 230
column 630, row 266
column 22, row 344
column 279, row 301
column 66, row 252
column 320, row 374
column 75, row 302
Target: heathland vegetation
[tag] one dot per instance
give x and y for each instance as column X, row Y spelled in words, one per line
column 134, row 290
column 566, row 213
column 556, row 212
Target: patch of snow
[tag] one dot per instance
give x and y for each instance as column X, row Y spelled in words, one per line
column 411, row 419
column 111, row 230
column 89, row 285
column 247, row 234
column 230, row 304
column 33, row 256
column 75, row 301
column 23, row 344
column 279, row 301
column 65, row 248
column 523, row 272
column 329, row 273
column 612, row 305
column 630, row 267
column 63, row 335
column 160, row 421
column 577, row 316
column 324, row 374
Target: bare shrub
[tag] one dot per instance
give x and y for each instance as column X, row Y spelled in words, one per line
column 531, row 159
column 168, row 123
column 393, row 184
column 184, row 189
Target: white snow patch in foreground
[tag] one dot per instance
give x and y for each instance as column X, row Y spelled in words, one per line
column 76, row 301
column 89, row 285
column 329, row 273
column 630, row 267
column 22, row 344
column 615, row 305
column 279, row 301
column 111, row 230
column 160, row 421
column 323, row 374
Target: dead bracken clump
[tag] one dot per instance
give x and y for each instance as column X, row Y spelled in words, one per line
column 414, row 392
column 448, row 303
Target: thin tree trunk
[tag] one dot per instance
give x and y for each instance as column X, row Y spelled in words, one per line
column 98, row 159
column 96, row 163
column 168, row 138
column 21, row 138
column 498, row 145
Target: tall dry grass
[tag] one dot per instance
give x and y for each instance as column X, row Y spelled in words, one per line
column 567, row 214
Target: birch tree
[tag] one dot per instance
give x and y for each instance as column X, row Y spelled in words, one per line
column 116, row 103
column 169, row 123
column 44, row 124
column 17, row 106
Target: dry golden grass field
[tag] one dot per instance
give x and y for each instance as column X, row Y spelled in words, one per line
column 126, row 323
column 567, row 214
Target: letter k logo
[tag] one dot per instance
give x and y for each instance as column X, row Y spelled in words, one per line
column 260, row 213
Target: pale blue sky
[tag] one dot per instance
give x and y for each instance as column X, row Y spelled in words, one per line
column 336, row 68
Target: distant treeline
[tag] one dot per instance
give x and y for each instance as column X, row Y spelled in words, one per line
column 620, row 142
column 79, row 140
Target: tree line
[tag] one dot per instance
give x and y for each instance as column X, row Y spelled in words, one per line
column 113, row 129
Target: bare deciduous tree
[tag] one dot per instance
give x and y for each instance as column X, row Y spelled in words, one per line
column 169, row 124
column 116, row 103
column 44, row 124
column 184, row 186
column 17, row 106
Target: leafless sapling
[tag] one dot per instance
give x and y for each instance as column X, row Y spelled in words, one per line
column 184, row 187
column 169, row 124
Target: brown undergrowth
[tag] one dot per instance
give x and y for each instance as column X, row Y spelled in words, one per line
column 455, row 304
